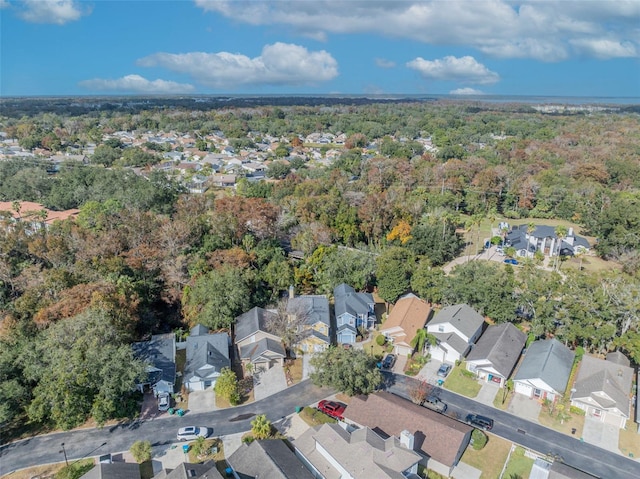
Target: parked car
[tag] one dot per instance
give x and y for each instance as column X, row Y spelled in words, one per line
column 332, row 408
column 444, row 370
column 164, row 401
column 511, row 261
column 191, row 433
column 388, row 361
column 434, row 403
column 480, row 422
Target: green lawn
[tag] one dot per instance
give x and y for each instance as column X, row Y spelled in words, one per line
column 459, row 381
column 518, row 465
column 490, row 459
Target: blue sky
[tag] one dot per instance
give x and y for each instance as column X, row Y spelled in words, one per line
column 494, row 47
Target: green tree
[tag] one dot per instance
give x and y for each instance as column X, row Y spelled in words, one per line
column 428, row 281
column 394, row 268
column 227, row 384
column 438, row 243
column 216, row 298
column 141, row 451
column 261, row 427
column 82, row 367
column 351, row 371
column 421, row 339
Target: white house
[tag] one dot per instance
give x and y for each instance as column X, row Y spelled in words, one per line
column 456, row 328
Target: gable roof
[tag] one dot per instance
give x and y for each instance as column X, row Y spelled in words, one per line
column 517, row 237
column 461, row 316
column 268, row 346
column 209, row 353
column 315, row 307
column 501, row 345
column 251, row 322
column 438, row 436
column 269, row 459
column 548, row 360
column 160, row 352
column 410, row 313
column 362, row 453
column 347, row 300
column 605, row 382
column 199, row 330
column 115, row 470
column 187, row 470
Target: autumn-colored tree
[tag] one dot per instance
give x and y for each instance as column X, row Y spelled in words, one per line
column 401, row 232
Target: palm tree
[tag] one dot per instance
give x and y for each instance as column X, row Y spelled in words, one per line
column 261, row 427
column 561, row 233
column 421, row 339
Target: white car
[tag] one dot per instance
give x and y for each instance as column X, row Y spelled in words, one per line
column 164, row 401
column 191, row 433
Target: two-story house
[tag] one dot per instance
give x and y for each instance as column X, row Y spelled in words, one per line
column 256, row 345
column 456, row 328
column 408, row 315
column 352, row 310
column 207, row 355
column 159, row 353
column 312, row 312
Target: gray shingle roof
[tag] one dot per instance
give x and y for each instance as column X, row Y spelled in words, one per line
column 517, row 237
column 501, row 345
column 362, row 453
column 160, row 351
column 251, row 322
column 348, row 301
column 605, row 382
column 115, row 470
column 187, row 470
column 208, row 350
column 548, row 360
column 269, row 459
column 266, row 345
column 316, row 307
column 452, row 340
column 462, row 316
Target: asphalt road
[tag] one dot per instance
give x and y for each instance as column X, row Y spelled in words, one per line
column 583, row 456
column 91, row 442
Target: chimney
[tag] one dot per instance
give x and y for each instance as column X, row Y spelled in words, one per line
column 407, row 440
column 292, row 292
column 570, row 232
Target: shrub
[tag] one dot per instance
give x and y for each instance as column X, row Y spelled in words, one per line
column 248, row 439
column 141, row 451
column 576, row 410
column 479, row 439
column 75, row 470
column 380, row 340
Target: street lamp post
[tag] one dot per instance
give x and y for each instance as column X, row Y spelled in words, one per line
column 64, row 451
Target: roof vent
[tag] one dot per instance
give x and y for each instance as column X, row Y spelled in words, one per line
column 192, row 473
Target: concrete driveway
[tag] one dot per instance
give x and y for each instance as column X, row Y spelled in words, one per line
column 271, row 381
column 487, row 393
column 524, row 407
column 202, row 401
column 429, row 372
column 601, row 434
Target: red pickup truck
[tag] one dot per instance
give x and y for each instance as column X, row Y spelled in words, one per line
column 332, row 408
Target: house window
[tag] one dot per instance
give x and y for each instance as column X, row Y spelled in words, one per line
column 537, row 393
column 597, row 413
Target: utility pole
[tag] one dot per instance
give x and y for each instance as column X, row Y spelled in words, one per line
column 65, row 454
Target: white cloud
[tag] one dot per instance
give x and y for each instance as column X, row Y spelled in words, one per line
column 58, row 12
column 603, row 48
column 383, row 63
column 136, row 84
column 466, row 91
column 278, row 64
column 4, row 4
column 464, row 69
column 544, row 30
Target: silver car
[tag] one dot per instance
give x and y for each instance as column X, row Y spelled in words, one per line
column 191, row 433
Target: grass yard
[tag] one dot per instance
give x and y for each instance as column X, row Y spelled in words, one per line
column 295, row 369
column 629, row 442
column 551, row 421
column 519, row 464
column 497, row 401
column 43, row 472
column 490, row 459
column 459, row 381
column 314, row 417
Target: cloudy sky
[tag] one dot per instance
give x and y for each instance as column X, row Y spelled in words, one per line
column 495, row 47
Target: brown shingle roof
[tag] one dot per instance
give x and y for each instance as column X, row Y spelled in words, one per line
column 410, row 313
column 438, row 436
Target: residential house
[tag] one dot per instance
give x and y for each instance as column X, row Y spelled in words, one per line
column 545, row 370
column 207, row 354
column 544, row 239
column 35, row 214
column 560, row 470
column 330, row 451
column 603, row 388
column 113, row 470
column 439, row 439
column 256, row 345
column 186, row 470
column 312, row 311
column 352, row 311
column 456, row 328
column 268, row 459
column 160, row 355
column 408, row 315
column 496, row 353
column 223, row 180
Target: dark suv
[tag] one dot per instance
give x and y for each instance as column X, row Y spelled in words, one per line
column 480, row 422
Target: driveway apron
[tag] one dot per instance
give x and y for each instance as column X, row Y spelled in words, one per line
column 271, row 381
column 601, row 434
